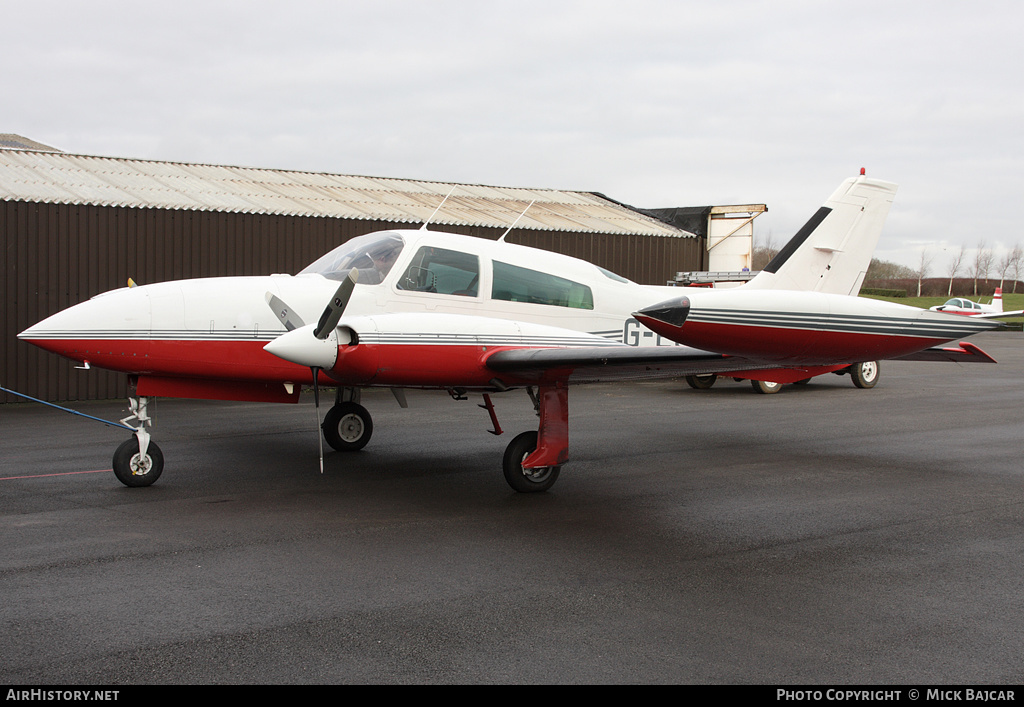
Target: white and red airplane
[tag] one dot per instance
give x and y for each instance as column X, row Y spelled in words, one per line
column 964, row 306
column 435, row 310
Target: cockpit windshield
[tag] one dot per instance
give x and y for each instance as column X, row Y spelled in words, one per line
column 372, row 254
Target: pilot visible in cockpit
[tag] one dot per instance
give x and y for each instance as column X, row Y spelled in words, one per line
column 383, row 257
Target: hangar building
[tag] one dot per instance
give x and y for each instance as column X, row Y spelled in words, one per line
column 73, row 226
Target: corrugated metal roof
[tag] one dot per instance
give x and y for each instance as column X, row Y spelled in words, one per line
column 50, row 177
column 19, row 142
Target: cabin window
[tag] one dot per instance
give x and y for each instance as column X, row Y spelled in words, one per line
column 442, row 271
column 515, row 284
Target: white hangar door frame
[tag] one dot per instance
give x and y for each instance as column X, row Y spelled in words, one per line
column 731, row 236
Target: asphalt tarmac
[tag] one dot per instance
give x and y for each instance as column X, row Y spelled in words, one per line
column 821, row 535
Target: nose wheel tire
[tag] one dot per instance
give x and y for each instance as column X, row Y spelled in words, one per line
column 347, row 427
column 865, row 375
column 526, row 480
column 133, row 469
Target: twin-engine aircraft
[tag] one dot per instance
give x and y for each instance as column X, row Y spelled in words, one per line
column 433, row 310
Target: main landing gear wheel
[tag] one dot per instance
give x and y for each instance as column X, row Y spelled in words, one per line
column 865, row 375
column 526, row 480
column 347, row 427
column 766, row 387
column 133, row 469
column 701, row 382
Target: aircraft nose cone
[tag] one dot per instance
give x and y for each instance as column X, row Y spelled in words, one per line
column 124, row 315
column 672, row 312
column 301, row 347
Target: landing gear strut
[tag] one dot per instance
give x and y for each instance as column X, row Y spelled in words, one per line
column 533, row 459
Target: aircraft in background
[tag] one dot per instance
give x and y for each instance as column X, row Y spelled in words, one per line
column 962, row 305
column 434, row 310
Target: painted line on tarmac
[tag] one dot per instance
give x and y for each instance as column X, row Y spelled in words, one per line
column 62, row 473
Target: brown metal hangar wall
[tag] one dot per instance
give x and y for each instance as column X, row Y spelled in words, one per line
column 648, row 260
column 55, row 255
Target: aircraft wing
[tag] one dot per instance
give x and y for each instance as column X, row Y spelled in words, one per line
column 606, row 364
column 601, row 363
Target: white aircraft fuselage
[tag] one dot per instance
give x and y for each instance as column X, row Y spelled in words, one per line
column 216, row 328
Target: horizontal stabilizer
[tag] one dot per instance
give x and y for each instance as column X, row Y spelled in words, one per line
column 1000, row 315
column 965, row 353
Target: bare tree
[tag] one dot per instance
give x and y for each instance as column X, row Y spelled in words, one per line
column 922, row 268
column 954, row 268
column 1003, row 266
column 982, row 264
column 1014, row 261
column 763, row 253
column 880, row 269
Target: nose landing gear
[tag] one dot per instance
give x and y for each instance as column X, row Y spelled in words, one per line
column 138, row 461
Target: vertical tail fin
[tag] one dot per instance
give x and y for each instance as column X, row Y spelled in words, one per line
column 997, row 300
column 831, row 253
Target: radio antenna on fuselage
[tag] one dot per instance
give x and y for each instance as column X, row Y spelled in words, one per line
column 502, row 239
column 424, row 226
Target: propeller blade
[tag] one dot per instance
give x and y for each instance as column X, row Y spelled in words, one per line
column 332, row 314
column 284, row 313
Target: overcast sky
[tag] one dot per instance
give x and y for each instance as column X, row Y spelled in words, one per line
column 653, row 103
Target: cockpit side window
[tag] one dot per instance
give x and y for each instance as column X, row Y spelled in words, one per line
column 373, row 255
column 515, row 284
column 442, row 271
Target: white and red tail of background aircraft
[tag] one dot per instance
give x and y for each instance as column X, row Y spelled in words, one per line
column 466, row 315
column 962, row 305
